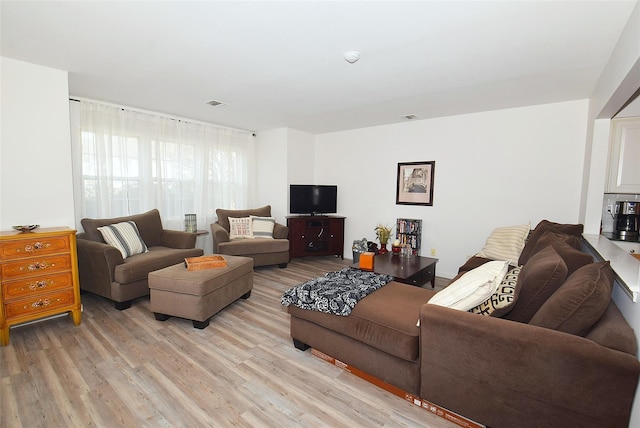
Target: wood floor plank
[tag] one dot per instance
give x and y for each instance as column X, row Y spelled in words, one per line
column 124, row 368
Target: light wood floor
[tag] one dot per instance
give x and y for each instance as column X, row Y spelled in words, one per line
column 124, row 368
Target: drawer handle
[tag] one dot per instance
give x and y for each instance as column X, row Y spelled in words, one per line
column 39, row 284
column 40, row 303
column 37, row 265
column 36, row 246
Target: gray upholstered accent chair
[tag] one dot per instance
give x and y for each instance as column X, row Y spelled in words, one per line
column 264, row 252
column 104, row 271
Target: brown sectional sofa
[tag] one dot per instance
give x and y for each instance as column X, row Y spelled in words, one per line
column 104, row 271
column 562, row 356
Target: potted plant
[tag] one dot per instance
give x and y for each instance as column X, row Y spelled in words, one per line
column 383, row 233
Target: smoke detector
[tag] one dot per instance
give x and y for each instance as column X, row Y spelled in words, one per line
column 214, row 103
column 352, row 56
column 409, row 116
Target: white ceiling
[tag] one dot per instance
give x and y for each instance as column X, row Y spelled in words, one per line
column 280, row 64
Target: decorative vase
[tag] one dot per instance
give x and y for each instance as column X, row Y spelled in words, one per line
column 383, row 248
column 396, row 249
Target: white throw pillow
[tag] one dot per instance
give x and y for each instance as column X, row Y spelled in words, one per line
column 262, row 227
column 506, row 243
column 240, row 228
column 472, row 288
column 125, row 237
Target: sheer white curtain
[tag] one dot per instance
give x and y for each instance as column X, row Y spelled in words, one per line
column 127, row 162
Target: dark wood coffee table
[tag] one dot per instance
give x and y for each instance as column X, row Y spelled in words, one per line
column 413, row 270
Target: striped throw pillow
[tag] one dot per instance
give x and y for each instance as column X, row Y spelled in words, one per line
column 262, row 227
column 125, row 237
column 505, row 243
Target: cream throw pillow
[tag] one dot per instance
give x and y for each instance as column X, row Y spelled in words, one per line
column 262, row 227
column 472, row 288
column 240, row 228
column 505, row 243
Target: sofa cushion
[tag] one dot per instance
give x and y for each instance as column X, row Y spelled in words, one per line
column 137, row 267
column 385, row 319
column 574, row 258
column 539, row 278
column 262, row 227
column 503, row 300
column 613, row 331
column 580, row 302
column 125, row 237
column 223, row 214
column 149, row 225
column 505, row 243
column 247, row 247
column 240, row 228
column 540, row 229
column 472, row 263
column 473, row 287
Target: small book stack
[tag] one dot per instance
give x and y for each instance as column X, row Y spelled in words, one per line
column 205, row 262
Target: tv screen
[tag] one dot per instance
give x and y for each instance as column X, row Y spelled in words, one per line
column 312, row 199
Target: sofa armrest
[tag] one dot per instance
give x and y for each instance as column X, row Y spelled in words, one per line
column 97, row 262
column 177, row 239
column 504, row 373
column 280, row 231
column 220, row 235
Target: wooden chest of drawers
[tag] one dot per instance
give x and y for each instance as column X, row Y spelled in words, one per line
column 38, row 277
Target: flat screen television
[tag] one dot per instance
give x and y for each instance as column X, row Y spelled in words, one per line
column 312, row 199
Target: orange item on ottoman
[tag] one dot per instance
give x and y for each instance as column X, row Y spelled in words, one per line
column 205, row 262
column 366, row 261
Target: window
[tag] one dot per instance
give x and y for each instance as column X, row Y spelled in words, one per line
column 129, row 162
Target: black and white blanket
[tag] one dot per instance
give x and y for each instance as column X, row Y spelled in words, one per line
column 336, row 292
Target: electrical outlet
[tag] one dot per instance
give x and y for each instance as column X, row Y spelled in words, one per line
column 433, row 251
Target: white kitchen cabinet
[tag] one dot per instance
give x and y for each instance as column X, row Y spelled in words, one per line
column 624, row 156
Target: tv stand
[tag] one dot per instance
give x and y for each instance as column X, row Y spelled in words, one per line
column 316, row 235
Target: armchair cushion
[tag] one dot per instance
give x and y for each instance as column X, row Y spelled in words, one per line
column 137, row 267
column 223, row 214
column 149, row 225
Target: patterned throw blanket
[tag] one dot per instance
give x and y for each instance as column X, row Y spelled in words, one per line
column 335, row 292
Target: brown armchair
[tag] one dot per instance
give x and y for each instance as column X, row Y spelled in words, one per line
column 104, row 271
column 263, row 251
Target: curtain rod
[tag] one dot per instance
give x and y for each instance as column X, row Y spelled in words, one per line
column 168, row 116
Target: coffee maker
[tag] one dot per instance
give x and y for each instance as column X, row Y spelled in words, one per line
column 627, row 220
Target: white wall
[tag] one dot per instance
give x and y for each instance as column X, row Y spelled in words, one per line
column 271, row 168
column 618, row 82
column 284, row 156
column 36, row 185
column 492, row 169
column 301, row 161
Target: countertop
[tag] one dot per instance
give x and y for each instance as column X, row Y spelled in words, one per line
column 626, row 267
column 614, row 237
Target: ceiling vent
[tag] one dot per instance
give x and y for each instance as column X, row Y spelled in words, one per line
column 409, row 116
column 214, row 103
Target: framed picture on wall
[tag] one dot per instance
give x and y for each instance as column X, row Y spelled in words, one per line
column 415, row 183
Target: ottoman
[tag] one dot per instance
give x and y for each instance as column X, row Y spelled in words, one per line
column 199, row 295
